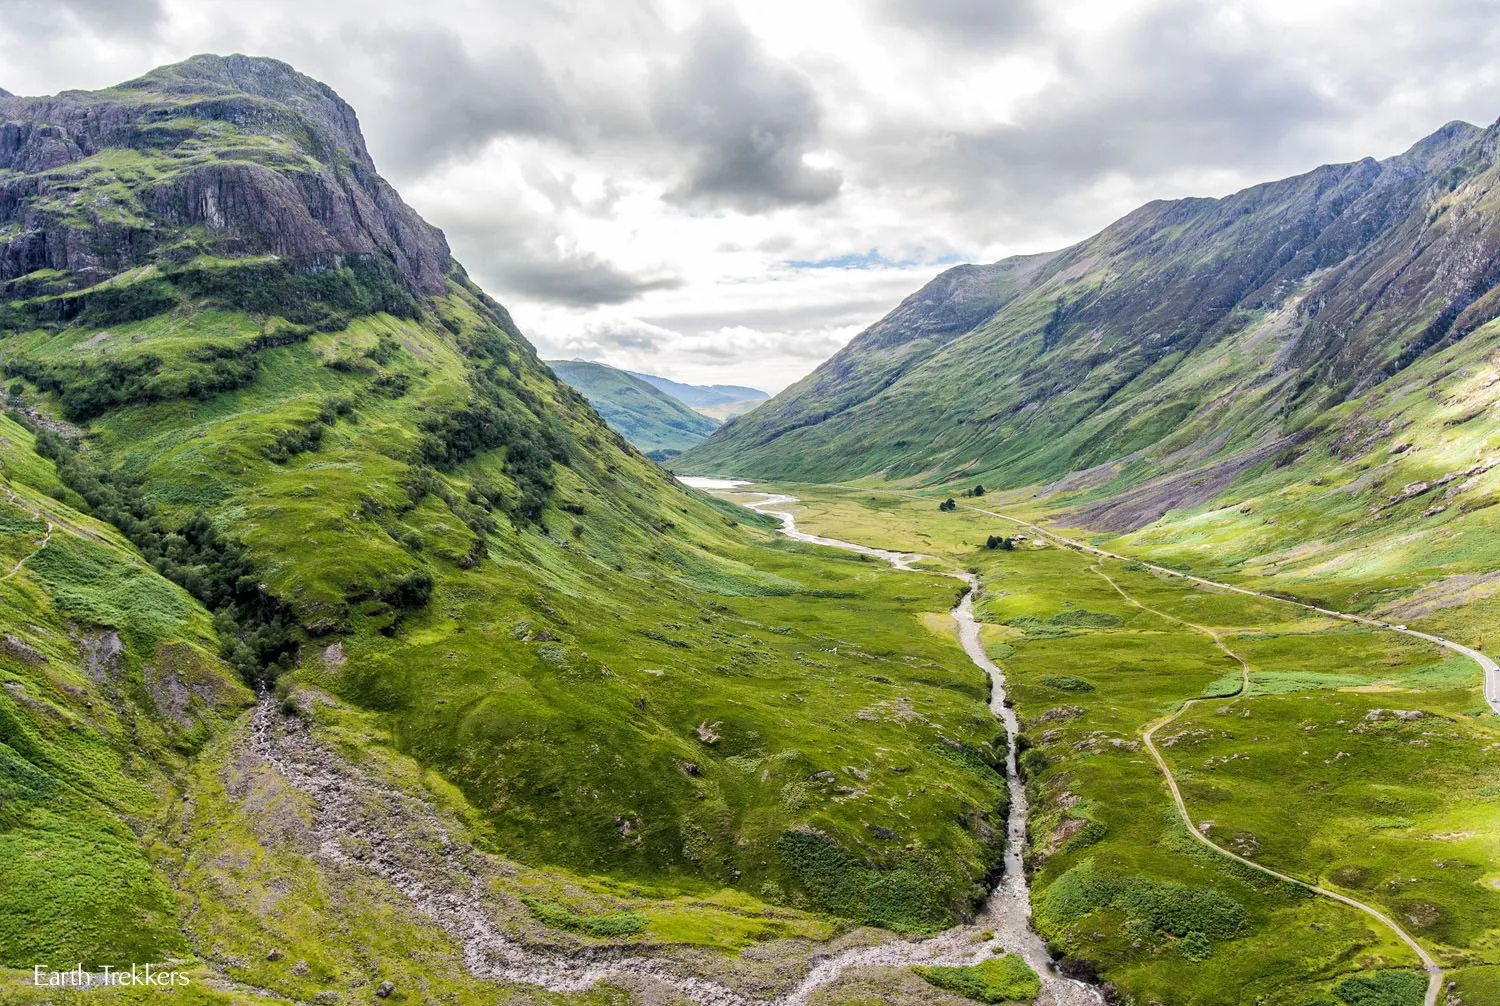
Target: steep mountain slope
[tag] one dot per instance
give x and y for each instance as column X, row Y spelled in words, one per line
column 1297, row 330
column 112, row 680
column 717, row 401
column 310, row 449
column 1045, row 364
column 651, row 420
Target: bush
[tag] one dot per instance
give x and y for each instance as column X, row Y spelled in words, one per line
column 948, row 504
column 998, row 980
column 411, row 591
column 1161, row 906
column 605, row 925
column 904, row 899
column 1383, row 988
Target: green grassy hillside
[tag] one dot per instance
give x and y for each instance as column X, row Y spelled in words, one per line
column 1362, row 760
column 651, row 420
column 285, row 442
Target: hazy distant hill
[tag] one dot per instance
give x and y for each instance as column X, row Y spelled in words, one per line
column 650, row 419
column 720, row 401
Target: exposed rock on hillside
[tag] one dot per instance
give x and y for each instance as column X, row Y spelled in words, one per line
column 94, row 183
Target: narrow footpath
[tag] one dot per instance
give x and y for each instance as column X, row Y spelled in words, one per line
column 1487, row 666
column 46, row 538
column 1434, row 972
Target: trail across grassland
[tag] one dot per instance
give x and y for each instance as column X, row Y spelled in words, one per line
column 46, row 538
column 1488, row 667
column 1434, row 972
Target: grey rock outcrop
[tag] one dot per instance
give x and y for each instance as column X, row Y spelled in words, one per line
column 228, row 156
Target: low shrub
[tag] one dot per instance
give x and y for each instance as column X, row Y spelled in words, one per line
column 605, row 925
column 1006, row 979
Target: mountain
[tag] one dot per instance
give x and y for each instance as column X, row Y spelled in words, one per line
column 651, row 420
column 717, row 401
column 343, row 645
column 1196, row 355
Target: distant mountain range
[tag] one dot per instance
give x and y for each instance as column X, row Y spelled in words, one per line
column 721, row 401
column 652, row 420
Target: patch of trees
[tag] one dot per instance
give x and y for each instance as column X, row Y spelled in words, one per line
column 88, row 390
column 976, row 492
column 300, row 439
column 1004, row 544
column 948, row 504
column 257, row 631
column 502, row 413
column 97, row 308
column 326, row 298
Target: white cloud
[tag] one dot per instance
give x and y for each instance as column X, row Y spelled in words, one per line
column 633, row 179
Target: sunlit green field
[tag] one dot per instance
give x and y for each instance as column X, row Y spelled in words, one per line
column 1360, row 760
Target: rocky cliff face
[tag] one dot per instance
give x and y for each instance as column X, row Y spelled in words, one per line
column 217, row 156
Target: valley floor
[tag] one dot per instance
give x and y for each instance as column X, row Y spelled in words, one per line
column 1324, row 755
column 1310, row 759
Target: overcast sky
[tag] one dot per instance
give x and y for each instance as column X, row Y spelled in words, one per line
column 728, row 192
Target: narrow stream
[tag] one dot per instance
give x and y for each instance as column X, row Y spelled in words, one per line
column 1007, row 913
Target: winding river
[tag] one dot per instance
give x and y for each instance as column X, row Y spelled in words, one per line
column 1007, row 913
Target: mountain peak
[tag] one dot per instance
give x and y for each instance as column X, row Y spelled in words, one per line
column 283, row 171
column 5, row 94
column 210, row 75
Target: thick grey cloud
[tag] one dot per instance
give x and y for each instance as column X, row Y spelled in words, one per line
column 970, row 24
column 518, row 253
column 442, row 102
column 747, row 120
column 131, row 17
column 582, row 280
column 1180, row 89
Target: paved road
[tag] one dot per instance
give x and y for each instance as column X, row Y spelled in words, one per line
column 1490, row 669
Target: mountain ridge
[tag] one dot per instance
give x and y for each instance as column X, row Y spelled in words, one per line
column 652, row 420
column 1101, row 289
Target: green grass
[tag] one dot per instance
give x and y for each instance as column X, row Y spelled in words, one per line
column 1004, row 979
column 1304, row 775
column 640, row 684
